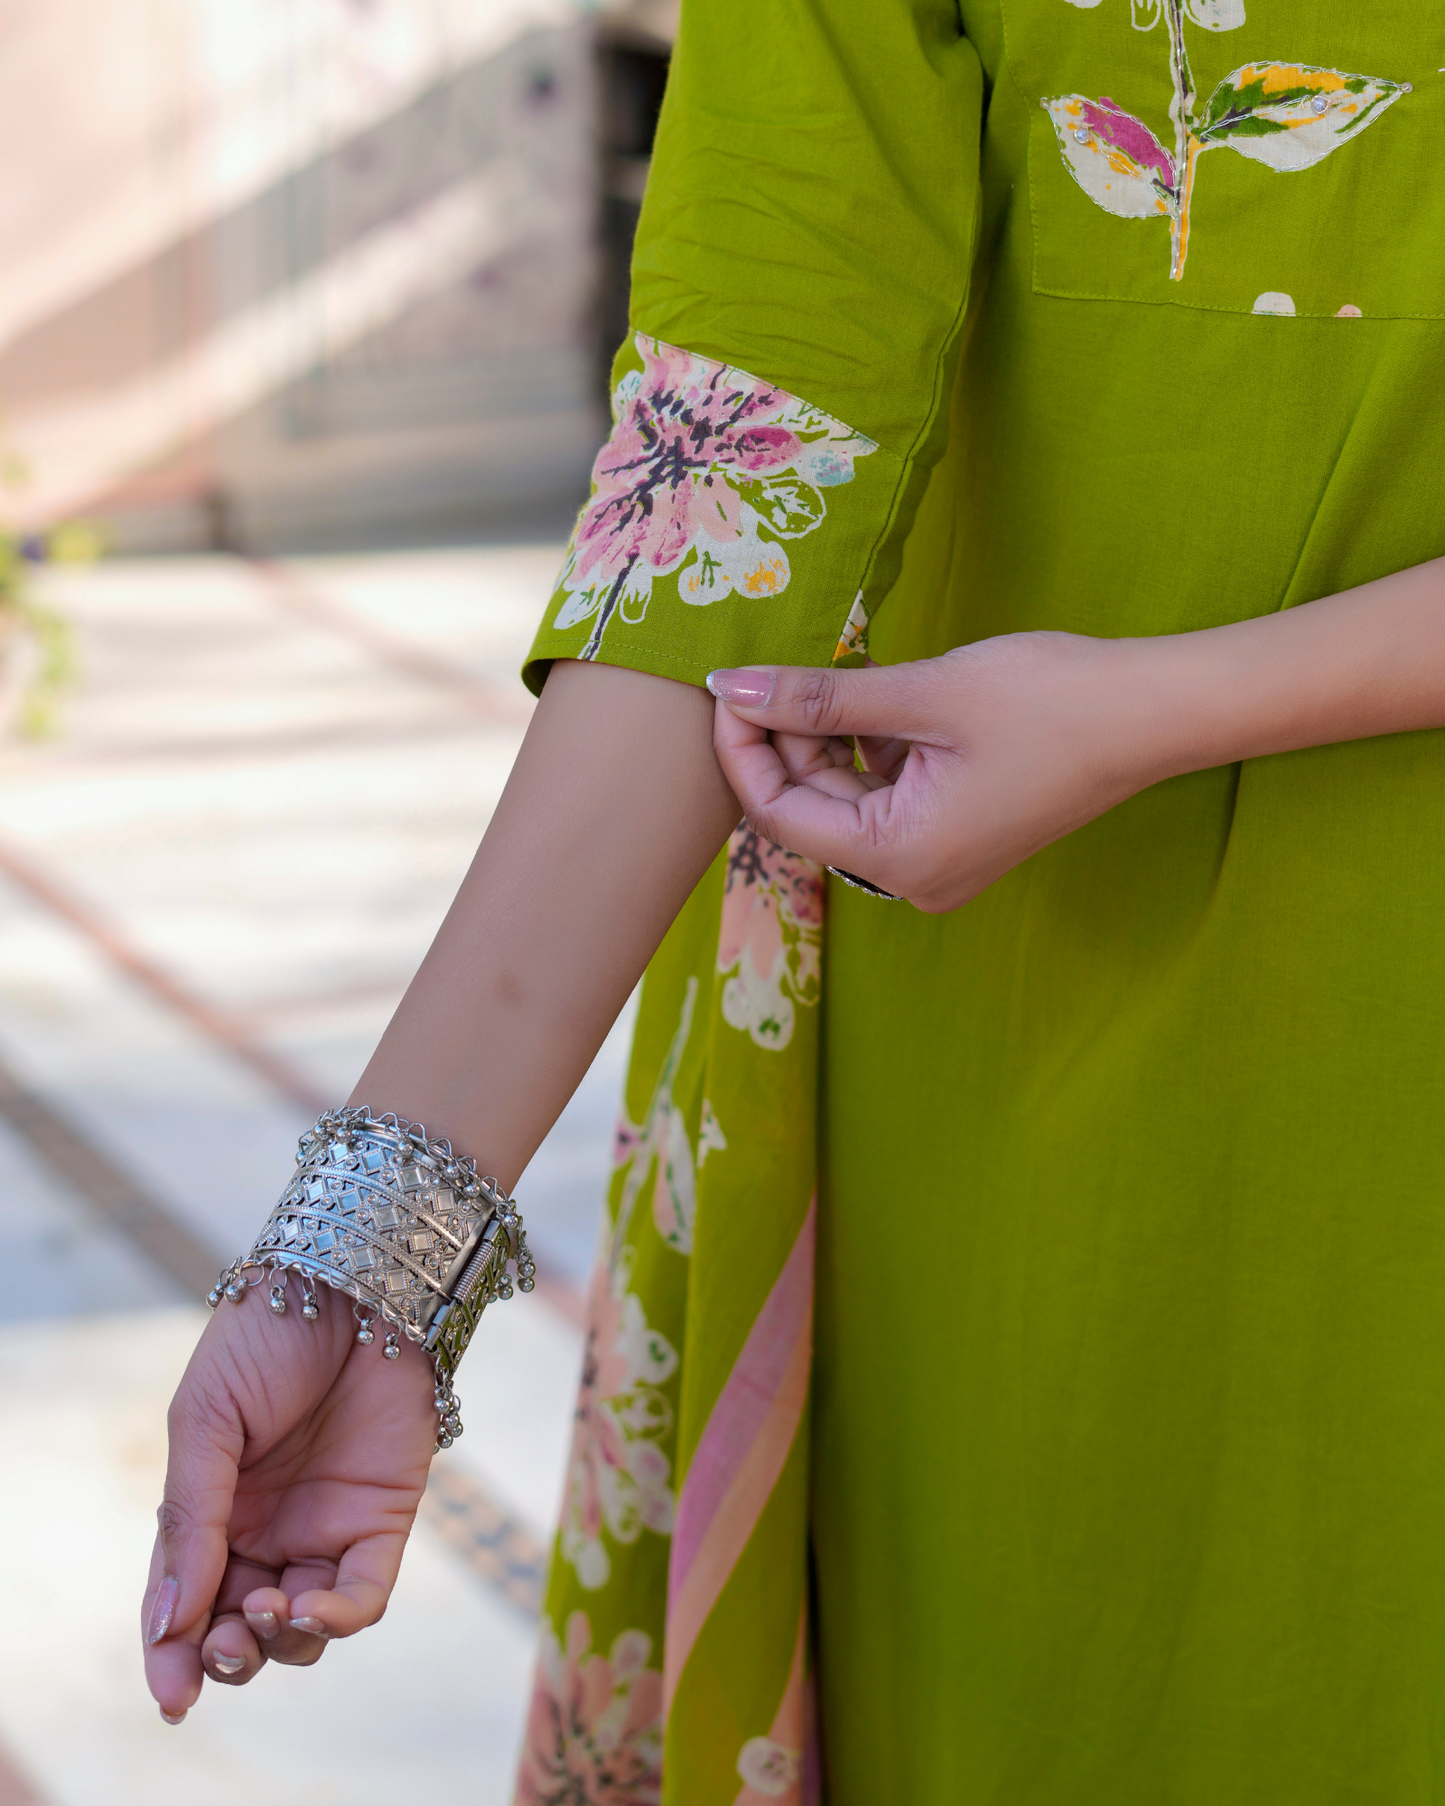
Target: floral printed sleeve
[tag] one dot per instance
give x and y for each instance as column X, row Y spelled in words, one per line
column 799, row 284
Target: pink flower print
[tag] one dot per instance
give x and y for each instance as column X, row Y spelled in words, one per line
column 618, row 1479
column 594, row 1729
column 707, row 470
column 770, row 938
column 762, row 448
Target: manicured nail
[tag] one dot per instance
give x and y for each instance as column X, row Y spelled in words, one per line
column 173, row 1717
column 312, row 1626
column 748, row 688
column 228, row 1664
column 263, row 1623
column 163, row 1609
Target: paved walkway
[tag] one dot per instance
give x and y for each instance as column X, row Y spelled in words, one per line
column 214, row 885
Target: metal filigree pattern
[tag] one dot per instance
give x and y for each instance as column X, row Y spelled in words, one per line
column 402, row 1225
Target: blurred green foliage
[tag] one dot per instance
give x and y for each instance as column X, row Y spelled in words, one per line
column 37, row 644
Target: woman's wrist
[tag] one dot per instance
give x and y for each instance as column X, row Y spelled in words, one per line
column 1368, row 661
column 1195, row 702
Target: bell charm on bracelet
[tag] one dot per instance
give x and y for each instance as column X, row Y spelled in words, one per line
column 402, row 1225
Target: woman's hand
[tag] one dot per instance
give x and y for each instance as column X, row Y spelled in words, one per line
column 979, row 758
column 297, row 1461
column 972, row 761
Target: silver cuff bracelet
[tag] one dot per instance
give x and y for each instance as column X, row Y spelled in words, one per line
column 403, row 1226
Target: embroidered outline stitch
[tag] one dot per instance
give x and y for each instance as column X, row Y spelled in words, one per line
column 1287, row 116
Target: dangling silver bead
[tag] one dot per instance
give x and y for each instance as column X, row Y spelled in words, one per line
column 236, row 1291
column 444, row 1441
column 214, row 1296
column 278, row 1301
column 526, row 1282
column 390, row 1350
column 310, row 1310
column 364, row 1336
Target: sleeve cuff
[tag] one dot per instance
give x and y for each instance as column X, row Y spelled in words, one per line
column 730, row 523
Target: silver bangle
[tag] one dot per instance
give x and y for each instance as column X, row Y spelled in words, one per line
column 404, row 1226
column 863, row 884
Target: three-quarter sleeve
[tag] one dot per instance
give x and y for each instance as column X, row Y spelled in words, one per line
column 799, row 284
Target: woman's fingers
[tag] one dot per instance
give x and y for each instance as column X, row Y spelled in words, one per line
column 317, row 1602
column 883, row 756
column 837, row 817
column 172, row 1664
column 806, row 755
column 359, row 1595
column 230, row 1654
column 269, row 1617
column 882, row 701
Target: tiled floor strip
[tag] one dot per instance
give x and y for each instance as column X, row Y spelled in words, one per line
column 163, row 987
column 110, row 1191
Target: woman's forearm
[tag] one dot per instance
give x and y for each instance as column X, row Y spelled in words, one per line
column 614, row 810
column 1367, row 661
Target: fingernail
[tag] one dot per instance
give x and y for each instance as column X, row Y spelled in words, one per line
column 312, row 1626
column 749, row 688
column 163, row 1609
column 229, row 1664
column 263, row 1623
column 173, row 1717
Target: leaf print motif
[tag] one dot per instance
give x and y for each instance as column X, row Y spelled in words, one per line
column 1115, row 158
column 786, row 506
column 1289, row 116
column 710, row 1138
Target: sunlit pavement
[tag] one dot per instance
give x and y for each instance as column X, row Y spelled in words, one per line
column 215, row 882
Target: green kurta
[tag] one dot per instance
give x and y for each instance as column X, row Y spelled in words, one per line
column 1119, row 1476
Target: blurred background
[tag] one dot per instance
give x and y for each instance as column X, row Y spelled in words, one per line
column 306, row 313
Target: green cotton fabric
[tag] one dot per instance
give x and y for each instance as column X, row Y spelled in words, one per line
column 815, row 183
column 1124, row 1457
